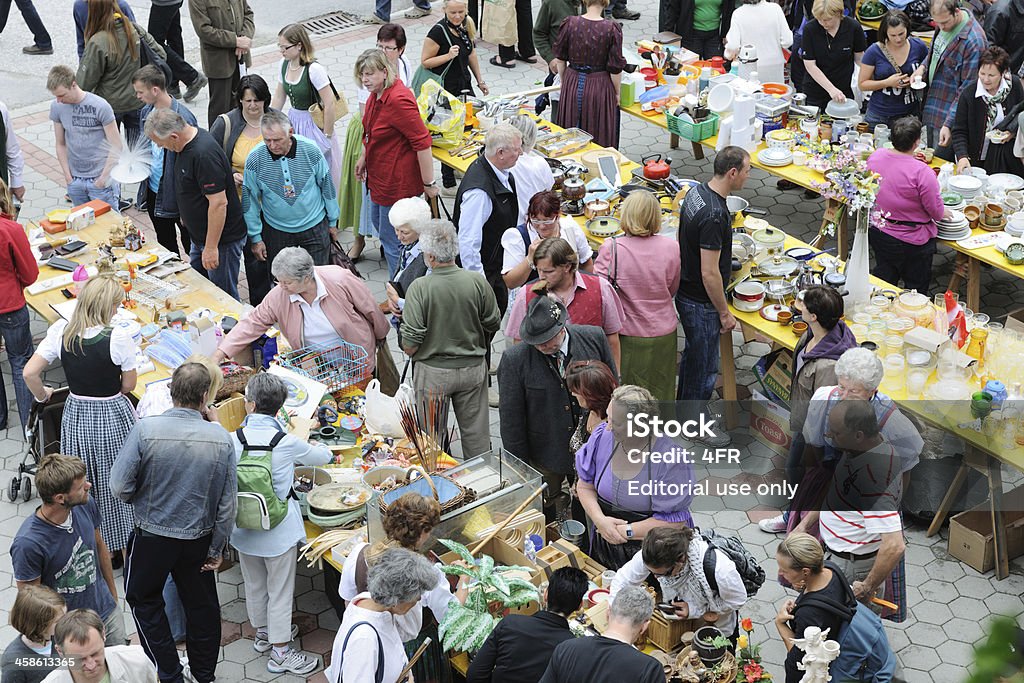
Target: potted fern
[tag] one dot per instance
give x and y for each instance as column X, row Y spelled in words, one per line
column 466, row 627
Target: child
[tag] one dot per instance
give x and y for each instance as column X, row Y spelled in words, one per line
column 35, row 612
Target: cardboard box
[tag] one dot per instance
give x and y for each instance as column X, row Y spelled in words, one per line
column 972, row 538
column 777, row 379
column 769, row 424
column 1015, row 321
column 505, row 555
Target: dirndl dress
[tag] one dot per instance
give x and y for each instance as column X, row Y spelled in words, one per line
column 94, row 429
column 354, row 196
column 301, row 96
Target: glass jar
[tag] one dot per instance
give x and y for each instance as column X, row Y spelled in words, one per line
column 920, row 365
column 894, row 365
column 916, row 307
column 894, row 344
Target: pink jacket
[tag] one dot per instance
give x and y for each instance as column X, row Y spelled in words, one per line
column 349, row 306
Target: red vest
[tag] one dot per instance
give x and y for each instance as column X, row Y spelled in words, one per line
column 586, row 308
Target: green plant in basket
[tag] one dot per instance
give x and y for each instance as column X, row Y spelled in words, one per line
column 466, row 627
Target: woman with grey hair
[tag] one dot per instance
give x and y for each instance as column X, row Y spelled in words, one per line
column 619, row 520
column 532, row 172
column 369, row 644
column 268, row 548
column 610, row 656
column 408, row 216
column 311, row 305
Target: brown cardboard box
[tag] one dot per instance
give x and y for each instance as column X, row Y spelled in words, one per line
column 972, row 539
column 505, row 555
column 769, row 424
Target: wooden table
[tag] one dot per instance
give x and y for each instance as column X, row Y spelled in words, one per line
column 982, row 454
column 200, row 292
column 975, row 257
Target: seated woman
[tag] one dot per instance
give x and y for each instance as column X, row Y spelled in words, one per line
column 817, row 352
column 903, row 231
column 613, row 469
column 986, row 117
column 675, row 556
column 377, row 621
column 801, row 561
column 408, row 523
column 311, row 305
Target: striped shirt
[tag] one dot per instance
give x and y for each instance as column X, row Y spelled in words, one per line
column 292, row 193
column 863, row 501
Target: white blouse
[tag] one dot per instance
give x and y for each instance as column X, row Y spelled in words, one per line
column 123, row 349
column 359, row 659
column 437, row 598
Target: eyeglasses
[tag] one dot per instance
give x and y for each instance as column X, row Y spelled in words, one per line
column 386, row 48
column 285, row 48
column 549, row 222
column 667, row 572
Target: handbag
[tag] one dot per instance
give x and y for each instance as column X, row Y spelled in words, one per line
column 423, row 74
column 148, row 55
column 339, row 257
column 386, row 371
column 316, row 110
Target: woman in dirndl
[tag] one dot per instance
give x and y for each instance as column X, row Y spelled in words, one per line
column 305, row 82
column 99, row 360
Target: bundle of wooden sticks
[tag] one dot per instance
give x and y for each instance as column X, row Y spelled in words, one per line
column 425, row 423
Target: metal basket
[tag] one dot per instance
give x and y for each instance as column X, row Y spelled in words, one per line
column 335, row 365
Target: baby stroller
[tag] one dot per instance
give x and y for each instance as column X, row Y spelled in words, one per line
column 43, row 434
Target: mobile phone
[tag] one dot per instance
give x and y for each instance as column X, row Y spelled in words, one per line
column 666, row 608
column 62, row 264
column 70, row 247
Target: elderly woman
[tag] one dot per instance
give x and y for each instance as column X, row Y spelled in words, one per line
column 643, row 268
column 408, row 216
column 312, row 305
column 858, row 374
column 304, row 82
column 986, row 118
column 762, row 24
column 589, row 60
column 238, row 133
column 449, row 53
column 802, row 565
column 267, row 556
column 532, row 172
column 888, row 69
column 99, row 361
column 903, row 231
column 675, row 556
column 396, row 161
column 377, row 621
column 819, row 349
column 543, row 219
column 620, row 516
column 832, row 44
column 590, row 299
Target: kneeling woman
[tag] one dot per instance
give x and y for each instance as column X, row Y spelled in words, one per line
column 676, row 558
column 612, row 464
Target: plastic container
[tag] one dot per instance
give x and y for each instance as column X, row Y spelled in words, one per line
column 695, row 132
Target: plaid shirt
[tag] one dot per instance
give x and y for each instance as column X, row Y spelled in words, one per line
column 957, row 67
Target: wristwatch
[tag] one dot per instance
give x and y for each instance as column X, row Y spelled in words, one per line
column 629, row 531
column 432, row 183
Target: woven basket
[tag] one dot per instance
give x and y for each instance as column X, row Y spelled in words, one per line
column 447, row 492
column 685, row 671
column 235, row 379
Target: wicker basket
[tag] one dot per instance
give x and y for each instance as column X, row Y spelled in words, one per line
column 235, row 379
column 685, row 671
column 447, row 492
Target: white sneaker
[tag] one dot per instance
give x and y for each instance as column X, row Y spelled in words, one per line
column 372, row 18
column 416, row 12
column 773, row 525
column 292, row 661
column 261, row 644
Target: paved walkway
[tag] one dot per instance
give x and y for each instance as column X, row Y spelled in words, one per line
column 950, row 603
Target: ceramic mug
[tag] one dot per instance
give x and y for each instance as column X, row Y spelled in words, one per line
column 785, row 317
column 993, row 214
column 799, row 157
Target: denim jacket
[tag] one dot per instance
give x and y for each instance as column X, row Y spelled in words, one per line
column 178, row 470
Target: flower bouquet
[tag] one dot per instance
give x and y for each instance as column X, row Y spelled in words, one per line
column 748, row 657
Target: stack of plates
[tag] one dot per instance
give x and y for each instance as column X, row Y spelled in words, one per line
column 953, row 200
column 1005, row 181
column 775, row 156
column 956, row 228
column 966, row 186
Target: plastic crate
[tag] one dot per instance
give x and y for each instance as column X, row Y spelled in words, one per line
column 695, row 132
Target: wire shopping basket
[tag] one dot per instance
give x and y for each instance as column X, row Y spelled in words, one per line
column 335, row 365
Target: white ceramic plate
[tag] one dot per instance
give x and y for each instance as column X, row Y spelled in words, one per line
column 1006, row 181
column 962, row 184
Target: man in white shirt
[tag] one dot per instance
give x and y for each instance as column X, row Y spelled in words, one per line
column 860, row 517
column 12, row 163
column 79, row 638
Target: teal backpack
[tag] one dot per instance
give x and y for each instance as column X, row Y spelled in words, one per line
column 259, row 507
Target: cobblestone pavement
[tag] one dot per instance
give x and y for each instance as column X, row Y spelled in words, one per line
column 949, row 602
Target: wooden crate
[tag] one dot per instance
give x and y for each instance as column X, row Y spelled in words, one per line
column 666, row 634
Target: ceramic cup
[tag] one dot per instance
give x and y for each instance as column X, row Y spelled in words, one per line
column 799, row 158
column 993, row 214
column 785, row 317
column 799, row 328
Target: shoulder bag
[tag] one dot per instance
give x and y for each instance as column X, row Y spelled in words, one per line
column 316, row 110
column 423, row 74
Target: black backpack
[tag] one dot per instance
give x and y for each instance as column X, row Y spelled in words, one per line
column 750, row 571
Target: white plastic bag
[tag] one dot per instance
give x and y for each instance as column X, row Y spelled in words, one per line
column 382, row 411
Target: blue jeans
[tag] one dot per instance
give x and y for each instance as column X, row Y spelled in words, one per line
column 82, row 190
column 225, row 275
column 698, row 368
column 174, row 609
column 383, row 8
column 388, row 238
column 18, row 339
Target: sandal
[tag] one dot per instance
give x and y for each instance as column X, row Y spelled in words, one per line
column 528, row 60
column 504, row 65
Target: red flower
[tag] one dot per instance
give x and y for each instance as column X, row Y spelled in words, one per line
column 753, row 672
column 747, row 625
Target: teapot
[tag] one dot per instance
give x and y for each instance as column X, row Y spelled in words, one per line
column 655, row 167
column 573, row 187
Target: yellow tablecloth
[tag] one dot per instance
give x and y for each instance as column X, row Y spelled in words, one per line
column 201, row 293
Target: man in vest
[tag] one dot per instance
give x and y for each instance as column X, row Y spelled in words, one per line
column 12, row 163
column 486, row 206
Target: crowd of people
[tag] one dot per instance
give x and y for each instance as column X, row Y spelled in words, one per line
column 591, row 336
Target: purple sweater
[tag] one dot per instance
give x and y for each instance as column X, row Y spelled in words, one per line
column 909, row 192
